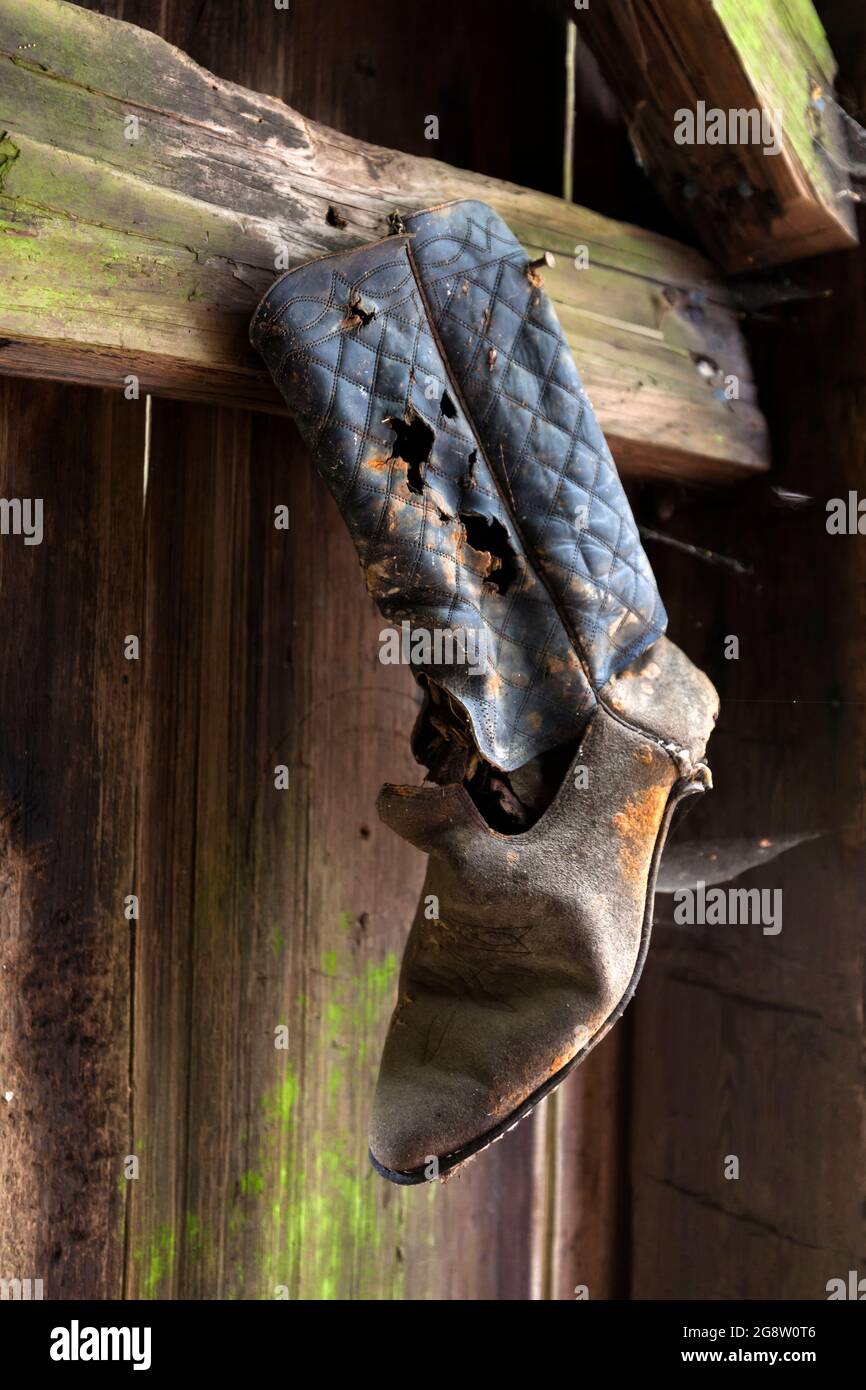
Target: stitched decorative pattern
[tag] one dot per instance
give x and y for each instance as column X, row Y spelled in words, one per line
column 460, row 522
column 523, row 392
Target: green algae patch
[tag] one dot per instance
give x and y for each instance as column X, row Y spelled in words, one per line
column 251, row 1184
column 9, row 152
column 157, row 1260
column 308, row 1207
column 782, row 47
column 279, row 1103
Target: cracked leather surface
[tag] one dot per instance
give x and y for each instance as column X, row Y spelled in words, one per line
column 538, row 430
column 449, row 329
column 535, row 941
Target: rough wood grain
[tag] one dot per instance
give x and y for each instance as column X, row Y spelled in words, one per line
column 147, row 255
column 269, row 903
column 750, row 1044
column 588, row 1231
column 748, row 208
column 271, row 907
column 69, row 703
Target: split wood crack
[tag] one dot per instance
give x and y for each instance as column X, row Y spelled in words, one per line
column 145, row 205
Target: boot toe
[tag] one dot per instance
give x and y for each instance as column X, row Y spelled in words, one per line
column 419, row 1120
column 448, row 1081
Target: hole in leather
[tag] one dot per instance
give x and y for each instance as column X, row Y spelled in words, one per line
column 512, row 802
column 490, row 538
column 509, row 802
column 357, row 316
column 447, row 406
column 413, row 440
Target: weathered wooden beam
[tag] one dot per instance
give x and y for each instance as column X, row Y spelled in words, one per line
column 734, row 57
column 146, row 204
column 746, row 1043
column 68, row 806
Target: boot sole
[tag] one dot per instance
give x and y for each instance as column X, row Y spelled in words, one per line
column 450, row 1162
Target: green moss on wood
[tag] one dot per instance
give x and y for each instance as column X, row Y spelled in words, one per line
column 9, row 152
column 157, row 1260
column 307, row 1201
column 783, row 48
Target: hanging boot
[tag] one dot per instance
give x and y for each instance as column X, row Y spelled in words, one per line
column 432, row 382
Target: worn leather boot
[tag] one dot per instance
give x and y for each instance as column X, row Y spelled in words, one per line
column 432, row 382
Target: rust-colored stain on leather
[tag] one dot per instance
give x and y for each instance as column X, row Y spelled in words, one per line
column 562, row 1060
column 637, row 826
column 448, row 462
column 380, row 580
column 643, row 678
column 650, row 671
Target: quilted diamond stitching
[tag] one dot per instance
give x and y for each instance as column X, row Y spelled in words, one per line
column 324, row 420
column 342, row 382
column 627, row 590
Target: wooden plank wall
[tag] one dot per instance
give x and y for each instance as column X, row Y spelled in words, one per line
column 70, row 713
column 745, row 1044
column 748, row 1044
column 150, row 258
column 258, row 908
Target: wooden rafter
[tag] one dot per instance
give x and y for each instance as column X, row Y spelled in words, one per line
column 762, row 186
column 146, row 204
